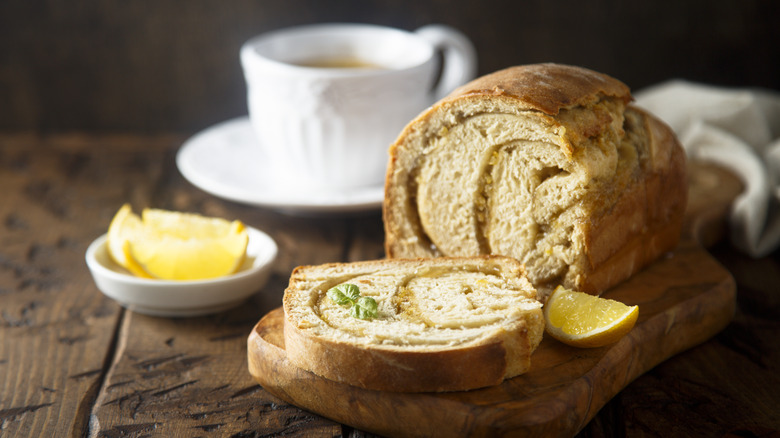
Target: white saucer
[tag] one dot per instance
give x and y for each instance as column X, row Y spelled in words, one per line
column 223, row 161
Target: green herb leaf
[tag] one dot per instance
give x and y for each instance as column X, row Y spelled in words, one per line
column 349, row 294
column 344, row 294
column 364, row 308
column 337, row 296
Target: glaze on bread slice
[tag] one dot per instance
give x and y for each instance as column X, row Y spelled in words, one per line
column 444, row 324
column 546, row 163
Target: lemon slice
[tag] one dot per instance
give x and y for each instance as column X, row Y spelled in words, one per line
column 125, row 226
column 176, row 246
column 583, row 320
column 187, row 225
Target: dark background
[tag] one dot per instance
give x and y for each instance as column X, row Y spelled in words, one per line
column 172, row 66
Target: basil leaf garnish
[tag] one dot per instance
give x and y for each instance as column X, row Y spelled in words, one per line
column 337, row 295
column 349, row 294
column 364, row 308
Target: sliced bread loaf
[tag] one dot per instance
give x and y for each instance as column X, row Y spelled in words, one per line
column 443, row 324
column 546, row 163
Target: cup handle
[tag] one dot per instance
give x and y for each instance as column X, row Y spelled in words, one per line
column 458, row 55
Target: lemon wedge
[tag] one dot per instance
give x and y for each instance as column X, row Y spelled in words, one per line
column 125, row 226
column 583, row 320
column 172, row 245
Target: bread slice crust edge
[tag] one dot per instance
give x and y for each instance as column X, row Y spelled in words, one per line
column 505, row 352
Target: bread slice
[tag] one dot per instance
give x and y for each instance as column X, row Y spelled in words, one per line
column 546, row 163
column 444, row 324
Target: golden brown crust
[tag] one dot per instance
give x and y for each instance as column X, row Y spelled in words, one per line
column 546, row 87
column 646, row 220
column 384, row 370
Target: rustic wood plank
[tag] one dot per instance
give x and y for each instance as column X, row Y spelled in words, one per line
column 185, row 377
column 179, row 377
column 56, row 329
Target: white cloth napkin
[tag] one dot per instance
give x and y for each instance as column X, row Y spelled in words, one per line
column 738, row 129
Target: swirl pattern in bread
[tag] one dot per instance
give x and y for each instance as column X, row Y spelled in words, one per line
column 443, row 324
column 548, row 164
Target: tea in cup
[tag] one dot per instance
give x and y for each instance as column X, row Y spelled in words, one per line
column 326, row 101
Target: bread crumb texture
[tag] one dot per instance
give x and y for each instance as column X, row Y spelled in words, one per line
column 525, row 163
column 443, row 324
column 421, row 306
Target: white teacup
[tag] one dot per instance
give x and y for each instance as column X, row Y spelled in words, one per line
column 326, row 101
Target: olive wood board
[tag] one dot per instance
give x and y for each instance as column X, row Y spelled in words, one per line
column 684, row 299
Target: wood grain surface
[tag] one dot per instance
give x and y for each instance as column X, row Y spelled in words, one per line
column 73, row 363
column 684, row 299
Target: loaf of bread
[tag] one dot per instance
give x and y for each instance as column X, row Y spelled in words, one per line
column 549, row 164
column 444, row 324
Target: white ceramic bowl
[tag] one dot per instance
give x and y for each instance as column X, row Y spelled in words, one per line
column 183, row 298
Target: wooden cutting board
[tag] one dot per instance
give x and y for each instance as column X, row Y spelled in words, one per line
column 684, row 299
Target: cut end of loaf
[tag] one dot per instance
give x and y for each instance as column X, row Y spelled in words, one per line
column 444, row 324
column 543, row 163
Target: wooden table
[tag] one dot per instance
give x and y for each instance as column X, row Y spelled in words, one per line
column 74, row 363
